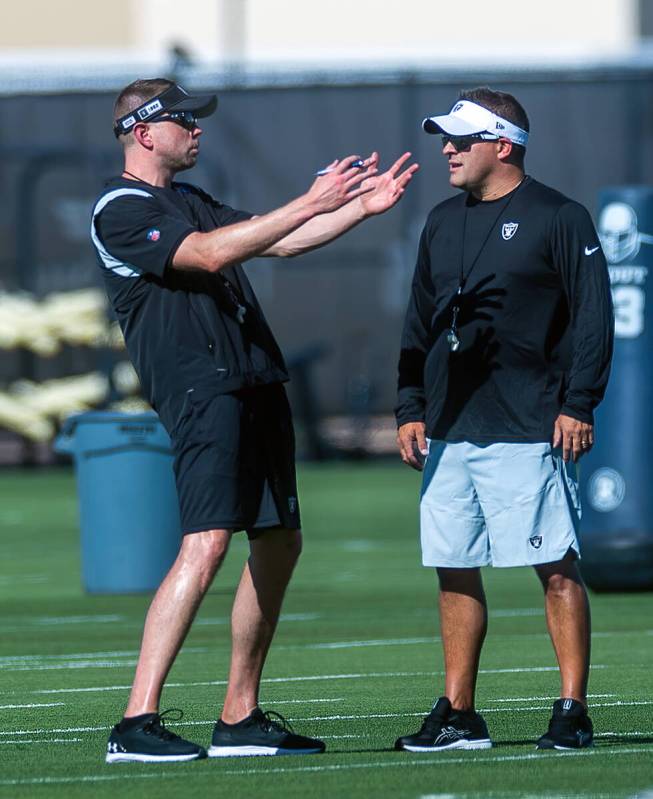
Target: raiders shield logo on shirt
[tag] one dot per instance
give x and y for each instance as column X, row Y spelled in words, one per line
column 509, row 229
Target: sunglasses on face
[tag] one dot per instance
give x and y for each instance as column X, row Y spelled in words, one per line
column 186, row 119
column 464, row 143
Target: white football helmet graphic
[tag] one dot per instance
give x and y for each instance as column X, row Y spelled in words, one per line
column 619, row 234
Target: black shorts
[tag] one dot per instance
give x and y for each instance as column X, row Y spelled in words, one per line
column 235, row 461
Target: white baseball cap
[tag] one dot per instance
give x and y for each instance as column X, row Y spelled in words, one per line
column 467, row 118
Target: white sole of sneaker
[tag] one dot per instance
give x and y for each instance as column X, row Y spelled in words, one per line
column 253, row 751
column 562, row 748
column 572, row 748
column 130, row 757
column 483, row 743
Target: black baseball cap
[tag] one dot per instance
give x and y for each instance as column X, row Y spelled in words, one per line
column 174, row 98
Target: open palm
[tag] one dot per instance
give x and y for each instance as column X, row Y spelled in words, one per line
column 384, row 190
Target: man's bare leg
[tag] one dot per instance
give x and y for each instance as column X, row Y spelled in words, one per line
column 171, row 613
column 568, row 621
column 255, row 614
column 463, row 623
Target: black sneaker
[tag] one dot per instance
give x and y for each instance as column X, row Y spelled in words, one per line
column 569, row 728
column 446, row 728
column 145, row 739
column 261, row 734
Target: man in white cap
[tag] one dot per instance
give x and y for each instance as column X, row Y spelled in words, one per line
column 505, row 354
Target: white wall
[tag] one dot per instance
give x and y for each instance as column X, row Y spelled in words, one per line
column 340, row 31
column 435, row 30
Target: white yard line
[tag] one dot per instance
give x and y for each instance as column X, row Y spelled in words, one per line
column 210, row 621
column 372, row 642
column 619, row 703
column 76, row 664
column 481, row 710
column 34, row 663
column 42, row 741
column 13, row 659
column 301, row 701
column 520, row 670
column 398, row 762
column 88, row 660
column 549, row 698
column 509, row 613
column 83, row 660
column 20, row 707
column 47, row 621
column 60, row 730
column 308, row 678
column 87, row 690
column 336, row 717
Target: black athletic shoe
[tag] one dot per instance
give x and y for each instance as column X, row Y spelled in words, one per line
column 261, row 734
column 446, row 728
column 145, row 739
column 569, row 728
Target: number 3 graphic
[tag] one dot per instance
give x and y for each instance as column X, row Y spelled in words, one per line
column 629, row 302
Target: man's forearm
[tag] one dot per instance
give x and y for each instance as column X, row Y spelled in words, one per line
column 243, row 240
column 319, row 230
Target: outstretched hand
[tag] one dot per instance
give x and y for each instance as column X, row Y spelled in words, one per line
column 341, row 183
column 385, row 190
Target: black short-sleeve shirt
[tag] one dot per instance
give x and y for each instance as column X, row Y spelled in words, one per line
column 183, row 329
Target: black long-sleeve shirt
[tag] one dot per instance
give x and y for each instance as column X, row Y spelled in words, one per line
column 535, row 321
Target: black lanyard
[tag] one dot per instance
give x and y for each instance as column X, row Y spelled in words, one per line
column 452, row 335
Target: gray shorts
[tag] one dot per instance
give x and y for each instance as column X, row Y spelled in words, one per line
column 498, row 505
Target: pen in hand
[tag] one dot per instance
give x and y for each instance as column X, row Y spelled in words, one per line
column 359, row 164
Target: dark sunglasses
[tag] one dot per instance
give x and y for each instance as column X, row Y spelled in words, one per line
column 464, row 143
column 186, row 119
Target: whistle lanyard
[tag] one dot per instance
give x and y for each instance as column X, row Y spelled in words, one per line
column 452, row 335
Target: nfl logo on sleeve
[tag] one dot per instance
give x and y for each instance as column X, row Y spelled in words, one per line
column 153, row 234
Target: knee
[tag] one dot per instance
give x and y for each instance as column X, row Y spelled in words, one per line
column 558, row 584
column 561, row 579
column 286, row 543
column 460, row 581
column 293, row 544
column 204, row 552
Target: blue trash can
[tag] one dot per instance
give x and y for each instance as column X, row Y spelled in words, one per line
column 617, row 474
column 128, row 509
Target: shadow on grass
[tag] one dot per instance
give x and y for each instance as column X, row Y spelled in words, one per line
column 603, row 740
column 612, row 740
column 608, row 740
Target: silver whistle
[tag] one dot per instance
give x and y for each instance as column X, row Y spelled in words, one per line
column 453, row 340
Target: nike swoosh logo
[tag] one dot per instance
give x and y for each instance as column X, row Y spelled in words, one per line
column 589, row 252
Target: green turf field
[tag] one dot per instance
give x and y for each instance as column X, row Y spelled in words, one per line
column 356, row 662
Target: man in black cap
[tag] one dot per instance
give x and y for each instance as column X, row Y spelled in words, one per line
column 505, row 354
column 170, row 255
